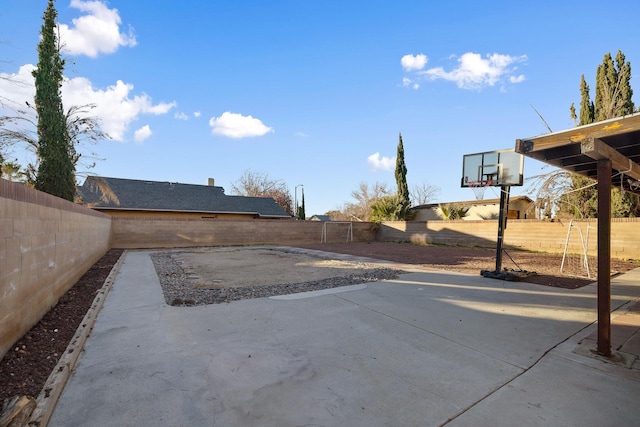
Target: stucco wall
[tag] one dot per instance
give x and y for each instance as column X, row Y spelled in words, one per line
column 46, row 245
column 534, row 235
column 162, row 232
column 518, row 209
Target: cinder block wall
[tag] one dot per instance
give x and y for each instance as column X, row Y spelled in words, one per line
column 533, row 235
column 159, row 232
column 46, row 245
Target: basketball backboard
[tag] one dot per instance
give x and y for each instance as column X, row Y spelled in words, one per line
column 493, row 168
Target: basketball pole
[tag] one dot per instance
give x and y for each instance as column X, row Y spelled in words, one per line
column 502, row 224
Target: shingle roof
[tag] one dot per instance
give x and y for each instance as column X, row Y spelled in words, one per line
column 131, row 194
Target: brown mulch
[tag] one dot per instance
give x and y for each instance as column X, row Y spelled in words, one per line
column 26, row 367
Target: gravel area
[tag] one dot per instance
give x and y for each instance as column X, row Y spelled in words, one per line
column 179, row 289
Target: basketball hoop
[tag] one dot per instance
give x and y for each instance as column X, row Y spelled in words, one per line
column 479, row 187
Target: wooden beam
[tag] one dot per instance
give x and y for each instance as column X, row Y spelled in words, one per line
column 598, row 150
column 618, row 126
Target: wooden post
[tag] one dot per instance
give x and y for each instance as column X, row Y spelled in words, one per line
column 604, row 257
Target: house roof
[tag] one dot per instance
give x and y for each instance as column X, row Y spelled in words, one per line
column 106, row 193
column 474, row 202
column 578, row 149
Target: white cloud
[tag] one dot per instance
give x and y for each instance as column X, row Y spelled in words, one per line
column 196, row 114
column 115, row 107
column 414, row 62
column 95, row 32
column 301, row 135
column 474, row 71
column 143, row 133
column 181, row 116
column 237, row 126
column 407, row 82
column 381, row 163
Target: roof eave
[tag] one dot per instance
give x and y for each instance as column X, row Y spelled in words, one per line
column 111, row 208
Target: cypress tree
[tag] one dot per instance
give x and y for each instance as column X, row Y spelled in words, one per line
column 401, row 174
column 624, row 76
column 586, row 106
column 612, row 99
column 603, row 80
column 301, row 210
column 56, row 171
column 613, row 88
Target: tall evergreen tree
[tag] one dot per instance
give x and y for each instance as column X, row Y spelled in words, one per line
column 586, row 106
column 613, row 88
column 301, row 214
column 626, row 93
column 401, row 181
column 612, row 99
column 56, row 171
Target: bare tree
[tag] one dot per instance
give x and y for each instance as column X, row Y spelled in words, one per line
column 547, row 190
column 82, row 129
column 337, row 215
column 4, row 101
column 364, row 196
column 424, row 193
column 260, row 184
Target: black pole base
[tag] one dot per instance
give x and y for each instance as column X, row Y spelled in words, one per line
column 507, row 274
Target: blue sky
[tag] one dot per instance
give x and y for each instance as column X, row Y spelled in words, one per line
column 316, row 92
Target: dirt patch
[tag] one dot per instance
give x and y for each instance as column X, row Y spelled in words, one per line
column 472, row 260
column 216, row 268
column 222, row 275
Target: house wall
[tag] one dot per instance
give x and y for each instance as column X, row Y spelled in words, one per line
column 46, row 245
column 518, row 209
column 165, row 232
column 533, row 235
column 427, row 214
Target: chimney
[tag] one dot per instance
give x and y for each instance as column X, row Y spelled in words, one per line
column 211, row 182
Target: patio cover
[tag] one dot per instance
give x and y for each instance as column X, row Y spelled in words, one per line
column 609, row 152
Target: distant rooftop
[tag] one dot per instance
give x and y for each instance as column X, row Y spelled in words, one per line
column 106, row 193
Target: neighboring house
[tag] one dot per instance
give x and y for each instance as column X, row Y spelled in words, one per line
column 131, row 197
column 320, row 218
column 520, row 207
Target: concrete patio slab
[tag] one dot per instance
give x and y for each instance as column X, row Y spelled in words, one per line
column 426, row 349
